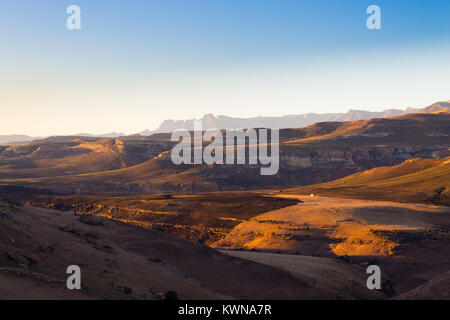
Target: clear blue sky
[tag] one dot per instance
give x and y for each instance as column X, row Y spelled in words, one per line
column 135, row 63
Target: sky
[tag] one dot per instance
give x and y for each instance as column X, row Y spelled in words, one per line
column 135, row 63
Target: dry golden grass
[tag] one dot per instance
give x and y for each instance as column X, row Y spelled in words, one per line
column 332, row 227
column 415, row 180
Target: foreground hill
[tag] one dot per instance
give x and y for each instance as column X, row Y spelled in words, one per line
column 410, row 242
column 415, row 180
column 122, row 261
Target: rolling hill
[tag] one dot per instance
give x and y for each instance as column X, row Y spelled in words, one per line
column 123, row 261
column 415, row 180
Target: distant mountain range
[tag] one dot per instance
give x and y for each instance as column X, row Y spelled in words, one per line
column 15, row 139
column 224, row 122
column 290, row 121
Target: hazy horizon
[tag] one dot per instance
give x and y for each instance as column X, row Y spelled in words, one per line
column 217, row 116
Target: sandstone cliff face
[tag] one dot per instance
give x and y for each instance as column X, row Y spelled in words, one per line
column 310, row 166
column 136, row 151
column 298, row 166
column 358, row 158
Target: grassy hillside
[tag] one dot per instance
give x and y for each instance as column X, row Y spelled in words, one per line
column 415, row 180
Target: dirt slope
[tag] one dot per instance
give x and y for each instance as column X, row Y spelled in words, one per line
column 333, row 276
column 437, row 288
column 120, row 261
column 410, row 241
